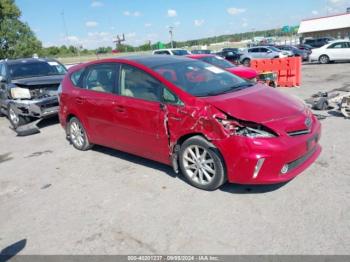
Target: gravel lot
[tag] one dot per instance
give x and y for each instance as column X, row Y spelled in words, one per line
column 63, row 201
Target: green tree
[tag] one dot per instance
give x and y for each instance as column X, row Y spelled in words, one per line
column 16, row 37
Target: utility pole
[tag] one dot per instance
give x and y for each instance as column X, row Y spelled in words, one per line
column 119, row 41
column 64, row 25
column 171, row 32
column 66, row 33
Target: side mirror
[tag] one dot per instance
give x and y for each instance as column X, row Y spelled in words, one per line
column 269, row 51
column 2, row 79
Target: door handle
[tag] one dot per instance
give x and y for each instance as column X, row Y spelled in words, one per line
column 79, row 100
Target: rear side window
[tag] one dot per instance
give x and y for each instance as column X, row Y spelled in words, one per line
column 162, row 52
column 138, row 84
column 101, row 78
column 338, row 45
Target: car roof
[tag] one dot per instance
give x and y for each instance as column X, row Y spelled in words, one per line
column 28, row 60
column 156, row 60
column 170, row 49
column 200, row 55
column 339, row 41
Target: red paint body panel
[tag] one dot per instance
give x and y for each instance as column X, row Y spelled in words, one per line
column 241, row 71
column 258, row 104
column 150, row 130
column 244, row 72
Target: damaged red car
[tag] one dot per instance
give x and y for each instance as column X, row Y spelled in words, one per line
column 203, row 121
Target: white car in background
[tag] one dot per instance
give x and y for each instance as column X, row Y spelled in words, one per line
column 338, row 50
column 172, row 51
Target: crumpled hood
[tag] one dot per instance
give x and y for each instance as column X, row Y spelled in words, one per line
column 259, row 104
column 38, row 81
column 244, row 72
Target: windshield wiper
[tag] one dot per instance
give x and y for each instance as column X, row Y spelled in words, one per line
column 231, row 89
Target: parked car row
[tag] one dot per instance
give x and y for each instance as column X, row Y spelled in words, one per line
column 244, row 57
column 196, row 116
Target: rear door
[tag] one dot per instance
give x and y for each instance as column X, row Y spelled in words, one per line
column 95, row 102
column 255, row 52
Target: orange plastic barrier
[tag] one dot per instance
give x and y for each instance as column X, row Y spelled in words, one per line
column 288, row 69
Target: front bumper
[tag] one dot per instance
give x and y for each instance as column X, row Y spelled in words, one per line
column 242, row 157
column 40, row 108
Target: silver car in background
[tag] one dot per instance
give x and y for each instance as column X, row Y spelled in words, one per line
column 261, row 52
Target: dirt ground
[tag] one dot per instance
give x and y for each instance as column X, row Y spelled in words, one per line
column 62, row 201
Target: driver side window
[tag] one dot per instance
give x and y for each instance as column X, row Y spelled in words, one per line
column 138, row 84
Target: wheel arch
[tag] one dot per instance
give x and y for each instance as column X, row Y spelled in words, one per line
column 329, row 58
column 185, row 137
column 72, row 115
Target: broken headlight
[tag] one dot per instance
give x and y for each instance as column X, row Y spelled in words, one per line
column 258, row 132
column 247, row 129
column 20, row 93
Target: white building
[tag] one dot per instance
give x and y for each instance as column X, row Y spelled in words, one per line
column 337, row 26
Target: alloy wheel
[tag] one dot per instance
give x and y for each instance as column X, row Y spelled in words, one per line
column 199, row 165
column 77, row 134
column 13, row 116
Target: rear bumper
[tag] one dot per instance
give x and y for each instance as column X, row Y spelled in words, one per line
column 261, row 161
column 40, row 108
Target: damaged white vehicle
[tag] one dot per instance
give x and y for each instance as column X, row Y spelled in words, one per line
column 28, row 91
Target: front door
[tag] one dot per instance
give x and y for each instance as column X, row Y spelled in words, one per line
column 140, row 115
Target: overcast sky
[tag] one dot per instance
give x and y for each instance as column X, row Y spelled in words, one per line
column 94, row 23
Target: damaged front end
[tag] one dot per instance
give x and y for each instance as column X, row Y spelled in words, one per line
column 31, row 104
column 212, row 123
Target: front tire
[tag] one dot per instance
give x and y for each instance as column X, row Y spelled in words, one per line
column 77, row 135
column 15, row 119
column 324, row 59
column 246, row 62
column 201, row 164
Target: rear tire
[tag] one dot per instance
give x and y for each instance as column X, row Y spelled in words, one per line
column 201, row 164
column 324, row 59
column 77, row 135
column 15, row 119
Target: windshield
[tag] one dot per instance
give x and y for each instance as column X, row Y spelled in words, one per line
column 274, row 49
column 180, row 52
column 201, row 79
column 35, row 69
column 217, row 61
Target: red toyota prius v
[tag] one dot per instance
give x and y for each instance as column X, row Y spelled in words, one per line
column 203, row 121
